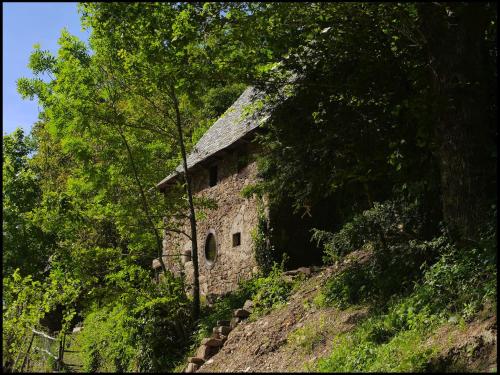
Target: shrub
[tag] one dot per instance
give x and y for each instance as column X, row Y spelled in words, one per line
column 144, row 331
column 395, row 341
column 393, row 232
column 395, row 338
column 384, row 225
column 462, row 281
column 221, row 309
column 310, row 335
column 270, row 291
column 267, row 292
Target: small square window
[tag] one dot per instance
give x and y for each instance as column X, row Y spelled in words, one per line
column 213, row 175
column 236, row 239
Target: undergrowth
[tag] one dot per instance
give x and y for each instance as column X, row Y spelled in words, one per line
column 144, row 331
column 453, row 288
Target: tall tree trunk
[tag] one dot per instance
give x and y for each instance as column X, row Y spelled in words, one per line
column 192, row 217
column 454, row 35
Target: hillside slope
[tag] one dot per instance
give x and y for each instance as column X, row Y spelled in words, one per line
column 294, row 336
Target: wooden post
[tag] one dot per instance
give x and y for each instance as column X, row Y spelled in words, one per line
column 61, row 355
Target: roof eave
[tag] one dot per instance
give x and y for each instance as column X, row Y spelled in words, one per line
column 170, row 179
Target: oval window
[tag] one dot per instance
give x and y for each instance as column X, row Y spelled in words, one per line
column 210, row 249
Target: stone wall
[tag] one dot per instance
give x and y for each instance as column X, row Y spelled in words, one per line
column 234, row 214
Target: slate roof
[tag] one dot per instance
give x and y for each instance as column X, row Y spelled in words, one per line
column 234, row 124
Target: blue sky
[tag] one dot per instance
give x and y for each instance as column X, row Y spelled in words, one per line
column 25, row 24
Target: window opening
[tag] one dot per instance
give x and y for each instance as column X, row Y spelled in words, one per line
column 236, row 239
column 210, row 249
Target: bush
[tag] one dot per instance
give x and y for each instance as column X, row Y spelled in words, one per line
column 144, row 331
column 26, row 302
column 222, row 309
column 461, row 282
column 385, row 225
column 267, row 292
column 270, row 291
column 347, row 288
column 395, row 341
column 393, row 231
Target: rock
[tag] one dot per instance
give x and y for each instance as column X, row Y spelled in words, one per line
column 317, row 268
column 192, row 367
column 223, row 330
column 156, row 263
column 222, row 322
column 204, row 352
column 212, row 342
column 196, row 360
column 234, row 322
column 186, row 256
column 248, row 305
column 209, row 361
column 305, row 270
column 241, row 313
column 219, row 336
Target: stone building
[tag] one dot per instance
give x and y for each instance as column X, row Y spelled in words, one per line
column 221, row 164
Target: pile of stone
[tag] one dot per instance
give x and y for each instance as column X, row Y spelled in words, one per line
column 301, row 271
column 211, row 345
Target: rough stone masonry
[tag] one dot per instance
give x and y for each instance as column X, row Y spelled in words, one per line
column 221, row 164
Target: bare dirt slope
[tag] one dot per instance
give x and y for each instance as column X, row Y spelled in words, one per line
column 292, row 337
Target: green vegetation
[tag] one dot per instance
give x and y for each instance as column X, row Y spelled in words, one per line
column 271, row 291
column 382, row 138
column 453, row 289
column 143, row 331
column 266, row 292
column 310, row 335
column 264, row 251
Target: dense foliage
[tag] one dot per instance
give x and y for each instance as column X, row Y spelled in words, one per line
column 372, row 97
column 142, row 331
column 383, row 130
column 452, row 290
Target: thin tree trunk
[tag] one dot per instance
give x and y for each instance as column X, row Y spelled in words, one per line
column 27, row 353
column 192, row 217
column 144, row 200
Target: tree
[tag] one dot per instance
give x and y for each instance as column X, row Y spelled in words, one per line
column 154, row 69
column 25, row 245
column 388, row 95
column 166, row 57
column 459, row 42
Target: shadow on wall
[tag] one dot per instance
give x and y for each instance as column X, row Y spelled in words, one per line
column 291, row 233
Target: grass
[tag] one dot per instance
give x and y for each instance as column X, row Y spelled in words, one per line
column 382, row 343
column 310, row 335
column 73, row 354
